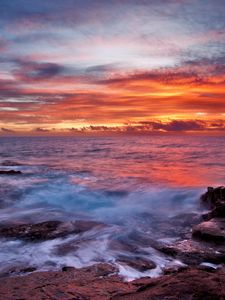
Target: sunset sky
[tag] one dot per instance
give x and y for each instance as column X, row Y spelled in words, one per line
column 128, row 65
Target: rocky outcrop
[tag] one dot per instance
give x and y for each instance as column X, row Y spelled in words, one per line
column 193, row 253
column 202, row 241
column 213, row 197
column 188, row 284
column 212, row 230
column 99, row 282
column 213, row 227
column 87, row 283
column 47, row 230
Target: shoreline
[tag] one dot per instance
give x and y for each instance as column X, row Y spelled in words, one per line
column 100, row 283
column 202, row 274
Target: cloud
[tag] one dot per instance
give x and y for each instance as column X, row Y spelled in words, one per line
column 3, row 45
column 39, row 129
column 6, row 130
column 37, row 71
column 111, row 61
column 159, row 126
column 180, row 126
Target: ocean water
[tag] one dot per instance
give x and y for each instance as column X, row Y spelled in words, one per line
column 133, row 184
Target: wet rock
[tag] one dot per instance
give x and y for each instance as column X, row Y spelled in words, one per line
column 17, row 270
column 181, row 225
column 193, row 252
column 139, row 263
column 67, row 269
column 10, row 172
column 124, row 244
column 47, row 230
column 174, row 269
column 189, row 284
column 66, row 248
column 207, row 267
column 213, row 230
column 87, row 283
column 217, row 212
column 102, row 269
column 213, row 196
column 40, row 231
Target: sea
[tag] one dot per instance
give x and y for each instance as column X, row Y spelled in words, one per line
column 132, row 184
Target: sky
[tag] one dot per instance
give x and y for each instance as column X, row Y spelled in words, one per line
column 70, row 66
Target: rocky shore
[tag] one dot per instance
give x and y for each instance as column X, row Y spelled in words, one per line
column 200, row 276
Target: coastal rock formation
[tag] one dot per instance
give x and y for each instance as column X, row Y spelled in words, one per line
column 187, row 284
column 46, row 230
column 200, row 248
column 193, row 253
column 87, row 283
column 100, row 282
column 214, row 197
column 212, row 230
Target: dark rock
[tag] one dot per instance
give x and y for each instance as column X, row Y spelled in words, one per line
column 213, row 196
column 175, row 269
column 40, row 231
column 212, row 230
column 181, row 225
column 10, row 172
column 139, row 263
column 67, row 269
column 207, row 268
column 193, row 253
column 17, row 270
column 28, row 270
column 217, row 212
column 125, row 244
column 46, row 230
column 66, row 248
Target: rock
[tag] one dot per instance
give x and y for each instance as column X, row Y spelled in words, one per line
column 190, row 284
column 10, row 172
column 40, row 231
column 17, row 270
column 67, row 269
column 213, row 196
column 193, row 253
column 181, row 224
column 102, row 269
column 213, row 230
column 47, row 230
column 87, row 283
column 65, row 248
column 217, row 212
column 139, row 263
column 174, row 269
